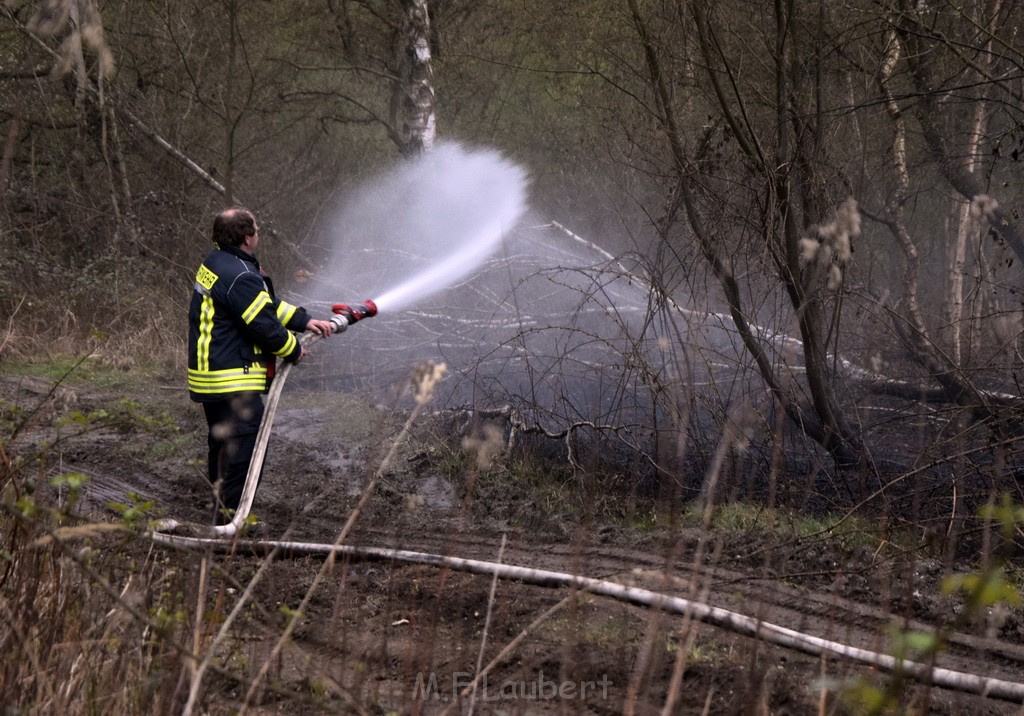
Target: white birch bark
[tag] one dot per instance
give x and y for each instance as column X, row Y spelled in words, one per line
column 419, row 123
column 967, row 227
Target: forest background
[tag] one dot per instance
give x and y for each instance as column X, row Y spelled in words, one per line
column 846, row 174
column 717, row 141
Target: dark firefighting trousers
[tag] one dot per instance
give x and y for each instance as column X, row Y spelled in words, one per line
column 233, row 424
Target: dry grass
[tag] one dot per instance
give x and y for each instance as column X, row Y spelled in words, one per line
column 86, row 635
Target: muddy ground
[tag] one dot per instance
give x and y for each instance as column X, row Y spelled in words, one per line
column 381, row 637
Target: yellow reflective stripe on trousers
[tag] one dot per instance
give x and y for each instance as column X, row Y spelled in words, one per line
column 261, row 300
column 285, row 311
column 228, row 381
column 205, row 334
column 288, row 347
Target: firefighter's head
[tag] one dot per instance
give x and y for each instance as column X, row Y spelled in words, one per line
column 233, row 227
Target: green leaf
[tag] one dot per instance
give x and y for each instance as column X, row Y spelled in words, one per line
column 73, row 480
column 921, row 641
column 290, row 613
column 985, row 589
column 27, row 506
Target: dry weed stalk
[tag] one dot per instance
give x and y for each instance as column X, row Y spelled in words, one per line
column 73, row 628
column 199, row 668
column 732, row 438
column 487, row 624
column 425, row 380
column 505, row 653
column 9, row 332
column 486, row 446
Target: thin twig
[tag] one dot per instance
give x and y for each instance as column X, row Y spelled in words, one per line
column 504, row 653
column 487, row 624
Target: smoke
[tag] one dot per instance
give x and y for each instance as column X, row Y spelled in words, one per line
column 526, row 315
column 422, row 226
column 548, row 324
column 530, row 320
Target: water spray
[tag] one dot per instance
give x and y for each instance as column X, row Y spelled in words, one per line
column 421, row 227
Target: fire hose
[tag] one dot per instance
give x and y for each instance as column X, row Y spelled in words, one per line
column 344, row 316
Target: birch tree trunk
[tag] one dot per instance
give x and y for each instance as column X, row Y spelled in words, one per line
column 966, row 230
column 967, row 227
column 417, row 80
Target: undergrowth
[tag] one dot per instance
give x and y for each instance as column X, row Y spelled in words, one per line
column 100, row 621
column 96, row 618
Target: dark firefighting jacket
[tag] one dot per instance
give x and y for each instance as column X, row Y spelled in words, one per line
column 236, row 326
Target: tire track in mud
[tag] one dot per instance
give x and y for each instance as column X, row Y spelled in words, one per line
column 822, row 614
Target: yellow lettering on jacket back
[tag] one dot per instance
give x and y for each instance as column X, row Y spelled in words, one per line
column 206, row 278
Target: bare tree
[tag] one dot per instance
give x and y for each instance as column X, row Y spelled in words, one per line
column 781, row 156
column 935, row 47
column 951, row 351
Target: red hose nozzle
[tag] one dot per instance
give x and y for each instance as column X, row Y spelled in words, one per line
column 357, row 312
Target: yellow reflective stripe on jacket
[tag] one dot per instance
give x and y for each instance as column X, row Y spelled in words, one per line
column 205, row 334
column 232, row 380
column 261, row 300
column 288, row 347
column 285, row 311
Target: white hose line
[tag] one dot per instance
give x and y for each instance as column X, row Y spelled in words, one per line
column 732, row 621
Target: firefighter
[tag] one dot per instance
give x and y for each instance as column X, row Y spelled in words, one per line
column 237, row 330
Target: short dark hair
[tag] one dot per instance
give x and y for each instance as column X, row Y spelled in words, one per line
column 232, row 226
